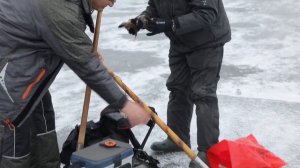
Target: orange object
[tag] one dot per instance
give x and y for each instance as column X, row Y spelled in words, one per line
column 37, row 80
column 110, row 143
column 10, row 124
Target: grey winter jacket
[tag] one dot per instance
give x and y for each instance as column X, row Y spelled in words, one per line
column 36, row 37
column 199, row 23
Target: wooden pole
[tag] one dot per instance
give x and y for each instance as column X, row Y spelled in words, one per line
column 88, row 91
column 158, row 121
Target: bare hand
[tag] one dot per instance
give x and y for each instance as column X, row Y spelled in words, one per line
column 101, row 4
column 135, row 113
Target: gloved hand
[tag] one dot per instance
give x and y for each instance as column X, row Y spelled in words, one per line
column 134, row 25
column 157, row 25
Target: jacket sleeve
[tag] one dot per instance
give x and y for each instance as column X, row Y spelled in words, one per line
column 150, row 11
column 64, row 32
column 203, row 13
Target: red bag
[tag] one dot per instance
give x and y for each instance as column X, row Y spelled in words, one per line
column 242, row 153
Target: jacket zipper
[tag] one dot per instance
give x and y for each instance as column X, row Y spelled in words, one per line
column 31, row 85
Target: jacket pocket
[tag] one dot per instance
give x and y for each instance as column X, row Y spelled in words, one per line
column 197, row 38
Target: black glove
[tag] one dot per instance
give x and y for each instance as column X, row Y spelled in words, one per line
column 156, row 26
column 134, row 25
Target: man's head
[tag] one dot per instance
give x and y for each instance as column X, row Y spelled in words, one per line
column 101, row 4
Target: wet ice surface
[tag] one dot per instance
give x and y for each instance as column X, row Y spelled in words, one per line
column 258, row 92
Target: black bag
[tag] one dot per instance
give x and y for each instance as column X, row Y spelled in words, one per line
column 112, row 124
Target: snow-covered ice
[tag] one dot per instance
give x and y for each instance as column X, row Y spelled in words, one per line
column 259, row 88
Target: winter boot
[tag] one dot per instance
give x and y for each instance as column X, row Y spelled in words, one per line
column 166, row 145
column 202, row 156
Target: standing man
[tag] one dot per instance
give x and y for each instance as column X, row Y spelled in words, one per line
column 37, row 37
column 198, row 30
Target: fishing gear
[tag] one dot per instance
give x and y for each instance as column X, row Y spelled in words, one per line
column 112, row 129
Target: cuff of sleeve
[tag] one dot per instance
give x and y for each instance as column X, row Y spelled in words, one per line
column 121, row 102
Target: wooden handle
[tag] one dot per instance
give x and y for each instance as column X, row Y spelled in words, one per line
column 88, row 91
column 155, row 118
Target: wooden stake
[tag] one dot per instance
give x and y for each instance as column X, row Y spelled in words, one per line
column 88, row 91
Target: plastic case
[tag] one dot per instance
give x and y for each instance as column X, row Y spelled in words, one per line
column 99, row 156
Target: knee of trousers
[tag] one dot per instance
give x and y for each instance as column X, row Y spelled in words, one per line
column 172, row 86
column 203, row 93
column 21, row 162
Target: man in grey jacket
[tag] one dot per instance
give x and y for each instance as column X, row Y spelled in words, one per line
column 198, row 30
column 37, row 37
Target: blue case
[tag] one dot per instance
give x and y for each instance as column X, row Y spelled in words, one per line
column 99, row 156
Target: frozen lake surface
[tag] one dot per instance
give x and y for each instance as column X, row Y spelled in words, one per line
column 259, row 88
